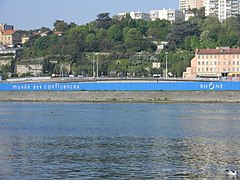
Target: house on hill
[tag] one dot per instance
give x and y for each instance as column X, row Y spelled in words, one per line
column 214, row 63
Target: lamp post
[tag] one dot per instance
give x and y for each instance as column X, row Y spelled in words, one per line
column 97, row 64
column 166, row 65
column 93, row 66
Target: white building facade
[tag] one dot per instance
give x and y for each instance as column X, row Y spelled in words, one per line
column 169, row 14
column 139, row 15
column 135, row 15
column 222, row 8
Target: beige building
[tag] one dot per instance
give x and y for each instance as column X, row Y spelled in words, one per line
column 214, row 63
column 25, row 39
column 190, row 4
column 9, row 37
column 156, row 65
column 34, row 69
column 30, row 66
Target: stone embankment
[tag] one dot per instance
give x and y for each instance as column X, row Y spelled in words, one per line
column 122, row 96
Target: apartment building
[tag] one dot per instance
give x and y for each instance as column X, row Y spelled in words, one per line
column 214, row 63
column 135, row 15
column 139, row 15
column 169, row 14
column 219, row 8
column 190, row 4
column 222, row 8
column 4, row 27
column 7, row 55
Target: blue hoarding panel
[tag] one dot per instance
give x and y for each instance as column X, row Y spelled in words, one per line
column 122, row 86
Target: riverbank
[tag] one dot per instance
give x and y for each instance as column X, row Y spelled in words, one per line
column 122, row 96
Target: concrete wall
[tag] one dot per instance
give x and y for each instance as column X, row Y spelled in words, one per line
column 122, row 96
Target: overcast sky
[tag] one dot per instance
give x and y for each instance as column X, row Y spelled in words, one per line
column 34, row 14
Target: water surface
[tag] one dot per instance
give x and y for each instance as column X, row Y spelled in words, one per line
column 118, row 141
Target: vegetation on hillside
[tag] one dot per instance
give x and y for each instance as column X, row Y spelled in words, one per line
column 129, row 45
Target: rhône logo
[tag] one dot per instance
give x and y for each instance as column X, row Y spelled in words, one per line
column 211, row 86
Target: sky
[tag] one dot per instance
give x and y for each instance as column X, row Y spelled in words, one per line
column 34, row 14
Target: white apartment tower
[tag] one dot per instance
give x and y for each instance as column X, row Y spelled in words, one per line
column 222, row 8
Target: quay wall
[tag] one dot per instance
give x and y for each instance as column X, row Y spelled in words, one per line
column 122, row 96
column 158, row 92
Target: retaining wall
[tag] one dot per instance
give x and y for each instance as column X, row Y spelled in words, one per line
column 122, row 96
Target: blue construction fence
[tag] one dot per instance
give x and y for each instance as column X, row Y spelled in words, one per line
column 122, row 86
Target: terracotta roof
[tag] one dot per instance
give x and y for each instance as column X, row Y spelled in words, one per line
column 8, row 32
column 219, row 51
column 58, row 32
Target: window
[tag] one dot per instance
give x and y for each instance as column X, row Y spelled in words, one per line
column 199, row 63
column 202, row 62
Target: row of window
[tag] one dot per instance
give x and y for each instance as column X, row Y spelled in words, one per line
column 229, row 56
column 218, row 63
column 6, row 38
column 218, row 70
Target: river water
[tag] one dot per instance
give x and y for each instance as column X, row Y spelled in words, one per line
column 118, row 141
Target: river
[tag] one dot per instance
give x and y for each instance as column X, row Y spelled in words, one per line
column 118, row 141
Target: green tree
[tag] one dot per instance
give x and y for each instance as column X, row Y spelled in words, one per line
column 103, row 21
column 133, row 35
column 60, row 25
column 206, row 40
column 115, row 33
column 180, row 31
column 231, row 24
column 229, row 39
column 212, row 25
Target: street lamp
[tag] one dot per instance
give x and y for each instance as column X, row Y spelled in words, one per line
column 166, row 65
column 93, row 65
column 97, row 64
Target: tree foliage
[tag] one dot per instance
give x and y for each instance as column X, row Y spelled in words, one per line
column 127, row 36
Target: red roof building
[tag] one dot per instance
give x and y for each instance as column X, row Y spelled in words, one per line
column 214, row 63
